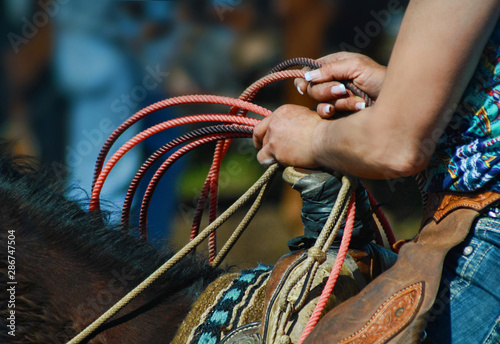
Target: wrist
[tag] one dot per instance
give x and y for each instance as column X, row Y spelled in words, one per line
column 320, row 143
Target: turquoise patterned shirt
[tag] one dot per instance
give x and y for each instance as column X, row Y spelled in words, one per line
column 467, row 157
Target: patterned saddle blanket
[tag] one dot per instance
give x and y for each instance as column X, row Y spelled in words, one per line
column 231, row 301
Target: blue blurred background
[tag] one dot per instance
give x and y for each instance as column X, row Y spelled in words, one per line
column 73, row 70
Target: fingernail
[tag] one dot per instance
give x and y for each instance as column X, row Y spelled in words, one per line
column 328, row 109
column 360, row 105
column 314, row 74
column 268, row 162
column 299, row 90
column 338, row 90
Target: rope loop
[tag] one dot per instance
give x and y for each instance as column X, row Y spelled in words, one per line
column 317, row 254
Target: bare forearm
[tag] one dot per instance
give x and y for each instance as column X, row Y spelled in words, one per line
column 438, row 47
column 359, row 146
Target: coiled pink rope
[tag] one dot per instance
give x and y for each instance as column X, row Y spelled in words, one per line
column 94, row 199
column 166, row 165
column 239, row 108
column 197, row 133
column 190, row 99
column 210, row 187
column 211, row 184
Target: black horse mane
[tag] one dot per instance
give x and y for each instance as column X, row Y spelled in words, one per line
column 34, row 196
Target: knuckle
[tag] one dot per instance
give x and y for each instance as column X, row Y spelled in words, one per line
column 284, row 108
column 357, row 62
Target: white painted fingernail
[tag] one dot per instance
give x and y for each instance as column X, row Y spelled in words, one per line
column 338, row 90
column 360, row 105
column 314, row 74
column 299, row 90
column 328, row 109
column 268, row 162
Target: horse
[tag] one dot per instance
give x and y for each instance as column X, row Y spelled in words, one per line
column 66, row 267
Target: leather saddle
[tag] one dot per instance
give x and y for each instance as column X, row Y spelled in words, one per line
column 394, row 305
column 288, row 307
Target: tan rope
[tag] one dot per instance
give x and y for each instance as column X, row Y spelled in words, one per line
column 312, row 263
column 339, row 208
column 263, row 180
column 241, row 228
column 333, row 218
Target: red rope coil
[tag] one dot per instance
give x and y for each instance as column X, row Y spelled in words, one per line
column 94, row 200
column 165, row 149
column 166, row 165
column 210, row 187
column 162, row 105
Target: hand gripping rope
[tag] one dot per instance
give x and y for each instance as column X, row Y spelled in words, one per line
column 232, row 125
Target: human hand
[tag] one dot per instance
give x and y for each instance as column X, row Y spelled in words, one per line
column 286, row 136
column 365, row 73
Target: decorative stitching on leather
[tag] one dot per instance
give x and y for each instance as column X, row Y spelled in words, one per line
column 384, row 323
column 442, row 204
column 475, row 202
column 441, row 213
column 245, row 328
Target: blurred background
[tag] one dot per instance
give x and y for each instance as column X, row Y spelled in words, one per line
column 72, row 71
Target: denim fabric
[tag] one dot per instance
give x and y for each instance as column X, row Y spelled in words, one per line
column 467, row 308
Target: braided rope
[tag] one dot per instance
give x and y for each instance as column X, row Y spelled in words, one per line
column 223, row 137
column 241, row 227
column 94, row 200
column 189, row 99
column 214, row 192
column 314, row 260
column 325, row 240
column 166, row 165
column 216, row 129
column 199, row 208
column 251, row 91
column 296, row 62
column 211, row 183
column 220, row 151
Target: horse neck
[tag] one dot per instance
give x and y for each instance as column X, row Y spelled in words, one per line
column 76, row 295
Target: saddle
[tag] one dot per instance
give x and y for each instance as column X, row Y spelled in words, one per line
column 298, row 278
column 393, row 308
